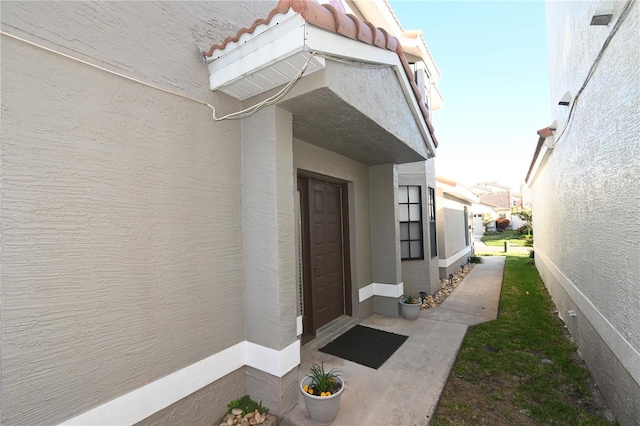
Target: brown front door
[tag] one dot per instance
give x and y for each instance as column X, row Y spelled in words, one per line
column 324, row 289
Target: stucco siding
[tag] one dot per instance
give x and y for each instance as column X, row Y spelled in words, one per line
column 454, row 227
column 598, row 159
column 377, row 93
column 153, row 41
column 121, row 210
column 268, row 225
column 586, row 193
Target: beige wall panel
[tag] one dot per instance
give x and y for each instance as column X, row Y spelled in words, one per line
column 585, row 199
column 121, row 235
column 585, row 194
column 454, row 227
column 153, row 41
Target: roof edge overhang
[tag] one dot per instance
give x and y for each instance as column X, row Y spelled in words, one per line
column 543, row 150
column 458, row 191
column 274, row 53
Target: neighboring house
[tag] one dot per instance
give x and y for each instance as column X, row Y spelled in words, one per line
column 498, row 196
column 479, row 211
column 158, row 262
column 585, row 191
column 454, row 218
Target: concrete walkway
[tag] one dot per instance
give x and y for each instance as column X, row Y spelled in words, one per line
column 406, row 389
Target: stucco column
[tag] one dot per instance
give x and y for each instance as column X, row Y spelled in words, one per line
column 269, row 259
column 386, row 269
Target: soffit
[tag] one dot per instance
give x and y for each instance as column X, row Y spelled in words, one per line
column 270, row 52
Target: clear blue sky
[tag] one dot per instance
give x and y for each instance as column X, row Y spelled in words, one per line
column 495, row 84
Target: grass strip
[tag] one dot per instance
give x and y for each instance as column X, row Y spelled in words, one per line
column 512, row 237
column 522, row 368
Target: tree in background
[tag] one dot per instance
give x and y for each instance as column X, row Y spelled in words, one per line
column 525, row 214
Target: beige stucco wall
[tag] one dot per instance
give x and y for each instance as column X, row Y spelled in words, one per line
column 585, row 197
column 121, row 210
column 453, row 249
column 268, row 228
column 454, row 226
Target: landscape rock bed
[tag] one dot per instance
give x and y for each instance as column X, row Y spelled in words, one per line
column 446, row 287
column 250, row 419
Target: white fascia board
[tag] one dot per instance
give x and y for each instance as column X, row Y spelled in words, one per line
column 537, row 166
column 277, row 43
column 333, row 44
column 417, row 47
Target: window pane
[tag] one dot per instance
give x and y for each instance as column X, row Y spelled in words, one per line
column 414, row 194
column 402, row 194
column 416, row 249
column 404, row 231
column 414, row 212
column 404, row 249
column 434, row 241
column 404, row 212
column 414, row 231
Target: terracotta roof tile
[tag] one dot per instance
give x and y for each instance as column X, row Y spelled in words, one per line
column 329, row 18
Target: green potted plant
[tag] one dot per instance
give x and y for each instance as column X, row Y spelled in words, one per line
column 410, row 306
column 322, row 391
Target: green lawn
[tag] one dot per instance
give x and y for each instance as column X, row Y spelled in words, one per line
column 521, row 369
column 513, row 237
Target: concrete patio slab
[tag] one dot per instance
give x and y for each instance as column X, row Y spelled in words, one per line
column 407, row 388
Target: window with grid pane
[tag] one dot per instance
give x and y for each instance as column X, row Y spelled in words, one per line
column 410, row 210
column 432, row 222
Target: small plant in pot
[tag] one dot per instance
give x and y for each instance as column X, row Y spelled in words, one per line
column 322, row 391
column 410, row 306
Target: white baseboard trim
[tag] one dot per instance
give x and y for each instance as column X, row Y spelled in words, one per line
column 143, row 402
column 628, row 356
column 445, row 263
column 378, row 289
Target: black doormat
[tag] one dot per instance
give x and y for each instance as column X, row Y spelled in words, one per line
column 365, row 345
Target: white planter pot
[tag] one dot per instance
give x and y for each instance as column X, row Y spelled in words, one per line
column 322, row 409
column 410, row 311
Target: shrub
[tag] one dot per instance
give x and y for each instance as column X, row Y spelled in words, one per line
column 247, row 405
column 502, row 223
column 475, row 259
column 532, row 254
